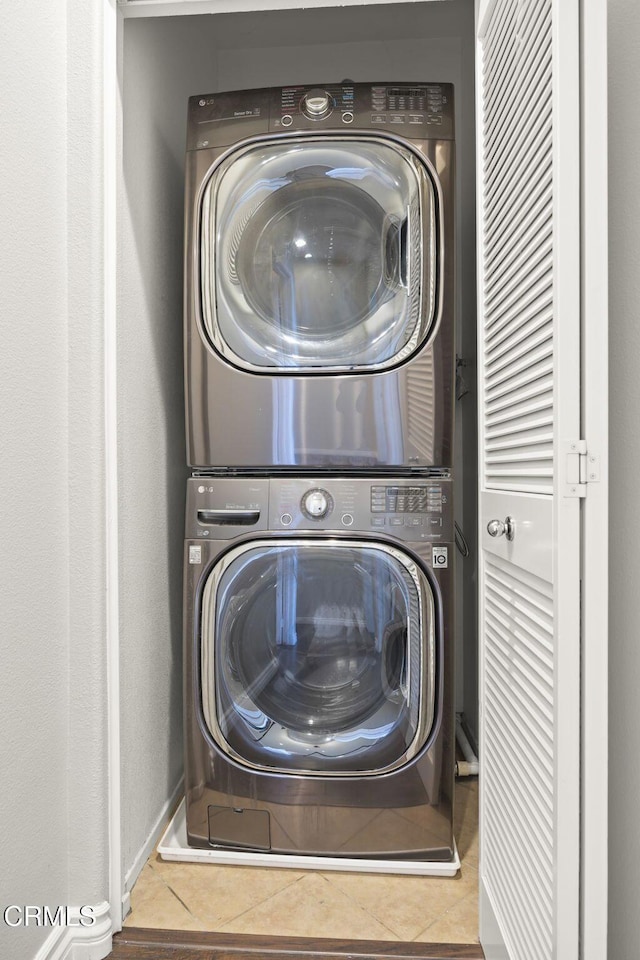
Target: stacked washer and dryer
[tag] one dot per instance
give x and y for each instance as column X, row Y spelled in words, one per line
column 319, row 306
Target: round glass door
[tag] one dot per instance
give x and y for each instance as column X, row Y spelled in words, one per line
column 319, row 255
column 318, row 657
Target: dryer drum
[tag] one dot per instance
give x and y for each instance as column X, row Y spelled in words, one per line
column 317, row 258
column 320, row 255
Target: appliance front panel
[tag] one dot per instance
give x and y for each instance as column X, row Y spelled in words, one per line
column 405, row 813
column 399, row 417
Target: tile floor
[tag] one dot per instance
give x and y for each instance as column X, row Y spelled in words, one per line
column 260, row 900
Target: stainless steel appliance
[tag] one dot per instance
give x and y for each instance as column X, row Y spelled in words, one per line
column 319, row 288
column 318, row 656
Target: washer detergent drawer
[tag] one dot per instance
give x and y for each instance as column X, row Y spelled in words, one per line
column 318, row 656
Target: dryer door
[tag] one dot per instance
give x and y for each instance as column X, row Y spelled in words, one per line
column 319, row 255
column 318, row 656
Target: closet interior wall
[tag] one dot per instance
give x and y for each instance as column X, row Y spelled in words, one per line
column 164, row 60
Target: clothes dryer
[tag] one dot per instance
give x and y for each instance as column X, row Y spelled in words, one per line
column 319, row 282
column 318, row 666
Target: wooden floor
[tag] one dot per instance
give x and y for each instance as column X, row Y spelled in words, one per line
column 135, row 943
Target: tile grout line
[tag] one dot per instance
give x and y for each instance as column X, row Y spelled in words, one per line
column 171, row 891
column 360, row 907
column 260, row 903
column 335, row 890
column 235, row 916
column 442, row 916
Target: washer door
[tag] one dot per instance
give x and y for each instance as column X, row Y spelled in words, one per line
column 318, row 656
column 319, row 255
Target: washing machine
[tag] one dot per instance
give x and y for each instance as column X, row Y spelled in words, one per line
column 318, row 666
column 319, row 278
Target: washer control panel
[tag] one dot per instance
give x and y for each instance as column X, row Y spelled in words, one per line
column 410, row 510
column 222, row 508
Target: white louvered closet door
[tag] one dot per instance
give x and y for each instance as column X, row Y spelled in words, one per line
column 529, row 350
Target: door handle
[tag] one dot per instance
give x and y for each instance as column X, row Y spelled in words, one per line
column 229, row 518
column 500, row 528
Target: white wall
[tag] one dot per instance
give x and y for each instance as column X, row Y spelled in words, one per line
column 165, row 60
column 624, row 542
column 52, row 748
column 34, row 614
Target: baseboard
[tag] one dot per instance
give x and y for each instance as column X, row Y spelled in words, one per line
column 148, row 846
column 78, row 942
column 491, row 935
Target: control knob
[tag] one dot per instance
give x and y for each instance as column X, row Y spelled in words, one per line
column 316, row 504
column 316, row 104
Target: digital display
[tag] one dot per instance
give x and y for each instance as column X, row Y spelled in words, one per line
column 418, row 499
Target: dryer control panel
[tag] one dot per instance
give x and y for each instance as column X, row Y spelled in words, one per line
column 419, row 111
column 415, row 111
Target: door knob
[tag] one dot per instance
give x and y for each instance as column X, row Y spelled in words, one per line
column 500, row 528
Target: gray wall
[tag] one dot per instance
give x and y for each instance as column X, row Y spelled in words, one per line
column 53, row 742
column 624, row 542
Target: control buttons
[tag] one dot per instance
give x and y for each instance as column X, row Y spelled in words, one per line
column 286, row 519
column 316, row 104
column 347, row 519
column 287, row 120
column 347, row 117
column 316, row 504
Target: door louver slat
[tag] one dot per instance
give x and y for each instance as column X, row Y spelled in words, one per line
column 496, row 148
column 530, row 323
column 514, row 232
column 535, row 808
column 528, row 209
column 499, row 64
column 512, row 190
column 514, row 285
column 524, row 251
column 521, row 740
